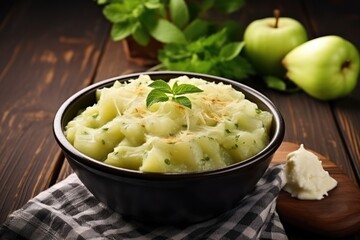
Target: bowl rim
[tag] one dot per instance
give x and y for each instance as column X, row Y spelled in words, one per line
column 70, row 150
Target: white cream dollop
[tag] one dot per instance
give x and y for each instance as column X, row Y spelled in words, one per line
column 305, row 177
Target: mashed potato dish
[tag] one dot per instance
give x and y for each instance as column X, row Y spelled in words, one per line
column 221, row 128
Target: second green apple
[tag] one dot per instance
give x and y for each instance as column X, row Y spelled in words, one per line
column 326, row 68
column 268, row 40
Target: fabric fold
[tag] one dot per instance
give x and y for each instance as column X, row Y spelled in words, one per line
column 68, row 210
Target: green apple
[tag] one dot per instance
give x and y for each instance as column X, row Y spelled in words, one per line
column 325, row 68
column 268, row 40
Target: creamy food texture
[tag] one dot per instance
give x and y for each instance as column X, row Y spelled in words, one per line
column 220, row 129
column 305, row 177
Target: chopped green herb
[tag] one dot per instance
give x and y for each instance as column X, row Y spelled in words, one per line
column 205, row 159
column 167, row 161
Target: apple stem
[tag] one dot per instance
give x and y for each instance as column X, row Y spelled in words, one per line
column 277, row 16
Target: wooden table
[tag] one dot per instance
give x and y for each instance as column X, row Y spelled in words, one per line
column 51, row 49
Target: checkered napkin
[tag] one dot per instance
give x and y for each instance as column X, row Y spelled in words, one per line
column 69, row 211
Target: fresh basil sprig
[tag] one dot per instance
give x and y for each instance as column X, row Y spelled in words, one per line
column 166, row 21
column 214, row 55
column 163, row 92
column 146, row 19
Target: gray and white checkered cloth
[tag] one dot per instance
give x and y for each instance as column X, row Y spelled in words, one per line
column 68, row 210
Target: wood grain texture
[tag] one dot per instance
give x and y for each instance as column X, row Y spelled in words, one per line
column 337, row 215
column 65, row 171
column 342, row 18
column 114, row 62
column 45, row 57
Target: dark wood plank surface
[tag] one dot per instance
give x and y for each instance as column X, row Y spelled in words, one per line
column 46, row 55
column 342, row 18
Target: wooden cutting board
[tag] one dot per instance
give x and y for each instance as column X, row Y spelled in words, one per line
column 336, row 215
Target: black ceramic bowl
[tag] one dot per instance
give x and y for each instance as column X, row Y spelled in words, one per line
column 167, row 198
